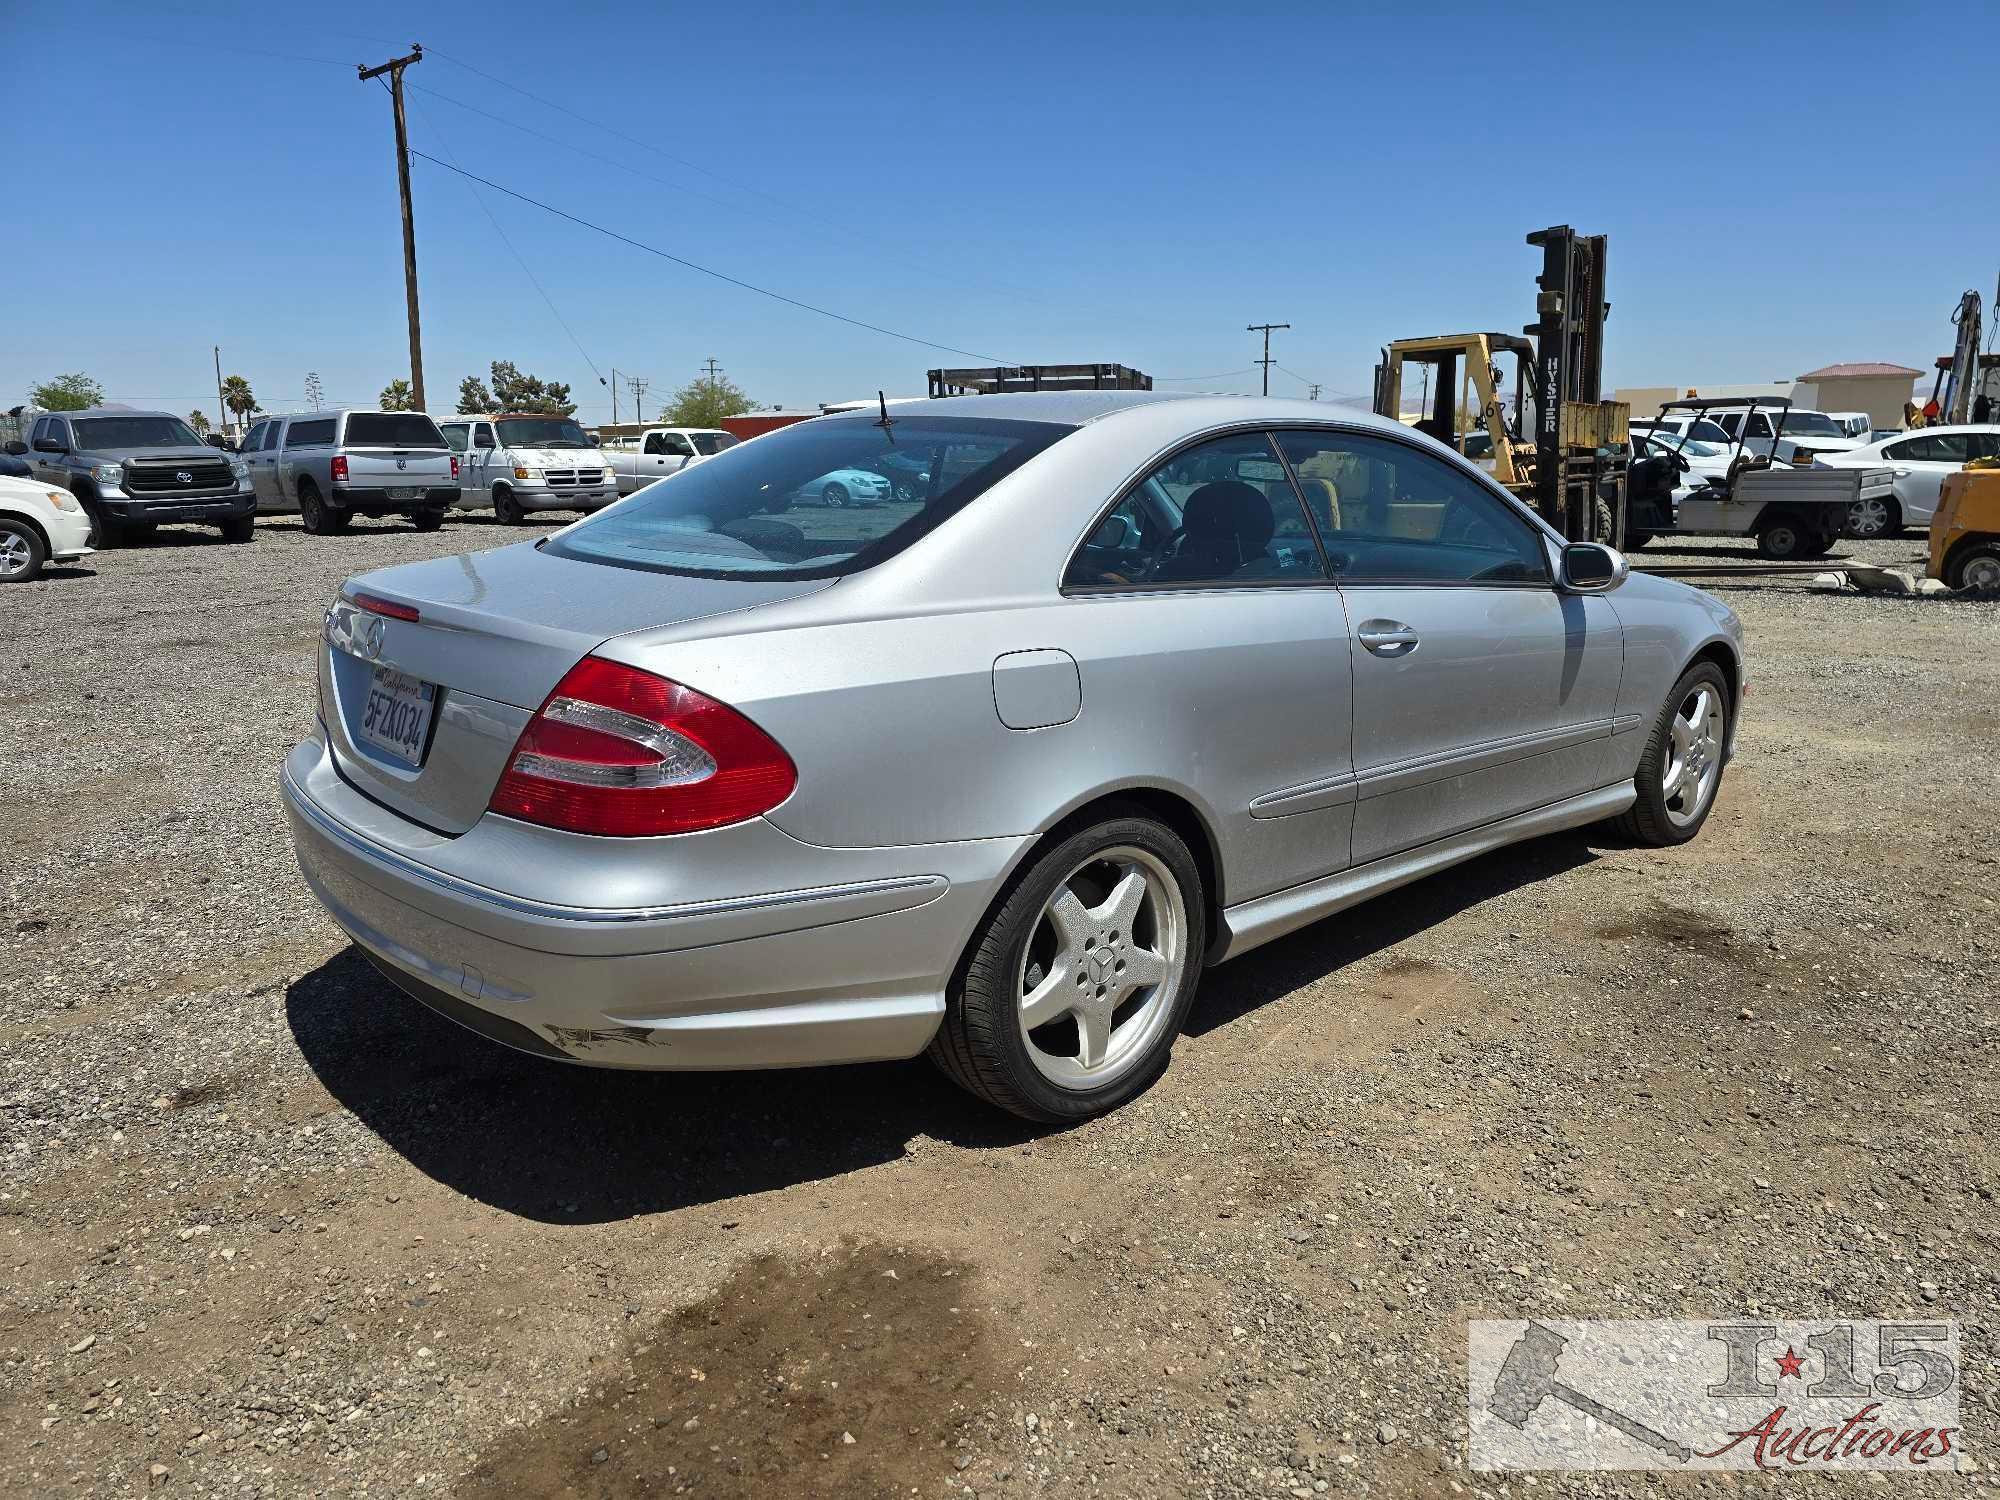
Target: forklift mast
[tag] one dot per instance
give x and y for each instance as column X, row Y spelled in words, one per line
column 1569, row 343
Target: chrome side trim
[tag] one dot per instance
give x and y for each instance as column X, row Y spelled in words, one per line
column 409, row 869
column 1310, row 796
column 1625, row 723
column 1255, row 922
column 1421, row 770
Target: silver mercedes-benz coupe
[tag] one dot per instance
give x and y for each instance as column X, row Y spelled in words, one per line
column 1132, row 684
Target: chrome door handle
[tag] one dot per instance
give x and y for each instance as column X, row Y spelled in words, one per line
column 1387, row 637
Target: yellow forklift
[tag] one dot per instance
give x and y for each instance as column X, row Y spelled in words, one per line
column 1571, row 468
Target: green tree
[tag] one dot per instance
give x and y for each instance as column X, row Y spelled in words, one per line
column 514, row 391
column 704, row 403
column 72, row 392
column 397, row 396
column 473, row 397
column 198, row 420
column 237, row 397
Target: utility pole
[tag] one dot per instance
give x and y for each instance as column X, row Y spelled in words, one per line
column 1313, row 393
column 637, row 387
column 394, row 68
column 713, row 372
column 1265, row 329
column 614, row 397
column 221, row 410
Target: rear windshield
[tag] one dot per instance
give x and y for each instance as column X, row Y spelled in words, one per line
column 811, row 501
column 392, row 429
column 100, row 433
column 708, row 444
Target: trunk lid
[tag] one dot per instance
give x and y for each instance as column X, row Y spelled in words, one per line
column 495, row 633
column 386, row 468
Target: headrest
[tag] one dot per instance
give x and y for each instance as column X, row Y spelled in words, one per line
column 1230, row 510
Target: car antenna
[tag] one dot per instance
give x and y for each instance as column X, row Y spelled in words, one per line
column 886, row 423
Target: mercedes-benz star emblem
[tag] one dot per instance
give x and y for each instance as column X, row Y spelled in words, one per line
column 368, row 638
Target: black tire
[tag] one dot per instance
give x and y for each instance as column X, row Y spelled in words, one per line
column 428, row 520
column 1783, row 538
column 103, row 530
column 980, row 1045
column 1892, row 522
column 506, row 509
column 318, row 517
column 906, row 491
column 240, row 529
column 1634, row 540
column 1969, row 565
column 22, row 552
column 1649, row 820
column 834, row 495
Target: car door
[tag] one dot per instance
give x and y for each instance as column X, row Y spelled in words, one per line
column 1206, row 633
column 1921, row 463
column 476, row 469
column 665, row 453
column 51, row 467
column 1480, row 691
column 257, row 461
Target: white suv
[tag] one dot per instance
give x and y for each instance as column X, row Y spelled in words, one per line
column 1804, row 436
column 522, row 461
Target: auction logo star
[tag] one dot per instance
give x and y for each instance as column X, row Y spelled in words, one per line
column 1791, row 1363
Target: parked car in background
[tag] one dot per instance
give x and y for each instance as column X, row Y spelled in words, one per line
column 661, row 451
column 1856, row 424
column 1920, row 461
column 689, row 785
column 39, row 524
column 331, row 466
column 1804, row 434
column 519, row 462
column 134, row 470
column 846, row 486
column 1682, row 425
column 14, row 466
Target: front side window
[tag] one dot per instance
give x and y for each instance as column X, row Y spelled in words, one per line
column 1389, row 512
column 107, row 434
column 254, row 438
column 1221, row 512
column 809, row 501
column 1729, row 422
column 271, row 431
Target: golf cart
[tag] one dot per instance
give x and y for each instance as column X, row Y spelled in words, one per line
column 1794, row 513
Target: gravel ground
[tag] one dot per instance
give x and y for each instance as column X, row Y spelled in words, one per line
column 272, row 1230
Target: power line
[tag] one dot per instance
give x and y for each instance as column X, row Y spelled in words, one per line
column 1218, row 375
column 747, row 286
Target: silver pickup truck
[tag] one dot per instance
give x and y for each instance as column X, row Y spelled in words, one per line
column 331, row 466
column 132, row 470
column 661, row 451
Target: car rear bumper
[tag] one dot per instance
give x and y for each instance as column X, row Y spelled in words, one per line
column 806, row 970
column 380, row 501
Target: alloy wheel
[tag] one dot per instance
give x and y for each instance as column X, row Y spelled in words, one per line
column 1694, row 755
column 1868, row 518
column 1101, row 968
column 1981, row 573
column 14, row 555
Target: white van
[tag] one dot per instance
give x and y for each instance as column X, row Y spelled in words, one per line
column 518, row 462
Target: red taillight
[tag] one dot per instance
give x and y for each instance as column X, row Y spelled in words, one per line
column 375, row 604
column 454, row 466
column 622, row 752
column 340, row 467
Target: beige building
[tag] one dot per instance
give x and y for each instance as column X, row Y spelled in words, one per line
column 1878, row 389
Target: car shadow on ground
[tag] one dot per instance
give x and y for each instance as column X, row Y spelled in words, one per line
column 565, row 1144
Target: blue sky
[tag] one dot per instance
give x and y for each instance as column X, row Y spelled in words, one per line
column 1782, row 190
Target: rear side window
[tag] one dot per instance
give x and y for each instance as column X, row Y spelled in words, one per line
column 708, row 444
column 812, row 501
column 1391, row 513
column 316, row 433
column 454, row 436
column 1221, row 512
column 392, row 429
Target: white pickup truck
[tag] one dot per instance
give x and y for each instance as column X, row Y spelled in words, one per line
column 520, row 462
column 661, row 451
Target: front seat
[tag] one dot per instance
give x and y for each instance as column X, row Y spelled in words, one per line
column 1225, row 529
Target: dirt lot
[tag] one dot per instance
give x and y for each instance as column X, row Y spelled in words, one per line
column 272, row 1230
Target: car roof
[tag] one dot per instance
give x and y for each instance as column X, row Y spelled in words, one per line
column 1081, row 408
column 106, row 411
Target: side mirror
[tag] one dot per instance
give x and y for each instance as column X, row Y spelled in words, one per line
column 49, row 445
column 16, row 447
column 1592, row 568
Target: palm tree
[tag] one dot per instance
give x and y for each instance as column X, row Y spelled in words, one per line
column 396, row 396
column 236, row 396
column 198, row 420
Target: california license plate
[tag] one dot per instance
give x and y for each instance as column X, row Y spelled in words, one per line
column 405, row 492
column 397, row 716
